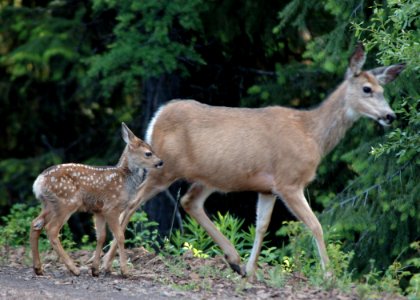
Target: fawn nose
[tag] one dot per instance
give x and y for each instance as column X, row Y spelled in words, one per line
column 390, row 118
column 159, row 164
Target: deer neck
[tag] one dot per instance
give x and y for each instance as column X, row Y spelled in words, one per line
column 331, row 120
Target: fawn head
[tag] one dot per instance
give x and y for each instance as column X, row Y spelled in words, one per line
column 365, row 91
column 139, row 153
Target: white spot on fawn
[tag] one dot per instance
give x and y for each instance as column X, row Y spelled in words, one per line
column 110, row 176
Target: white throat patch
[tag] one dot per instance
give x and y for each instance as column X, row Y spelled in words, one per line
column 352, row 114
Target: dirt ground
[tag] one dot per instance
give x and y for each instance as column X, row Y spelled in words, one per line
column 152, row 277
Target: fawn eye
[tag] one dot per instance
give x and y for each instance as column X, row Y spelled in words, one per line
column 367, row 89
column 147, row 154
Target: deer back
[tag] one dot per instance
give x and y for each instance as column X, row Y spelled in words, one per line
column 233, row 148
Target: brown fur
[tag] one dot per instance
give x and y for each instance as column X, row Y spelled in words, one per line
column 274, row 151
column 104, row 191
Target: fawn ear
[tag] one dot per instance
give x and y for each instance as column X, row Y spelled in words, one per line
column 357, row 60
column 127, row 134
column 388, row 73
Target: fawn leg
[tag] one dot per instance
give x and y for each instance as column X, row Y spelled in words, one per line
column 53, row 229
column 100, row 226
column 149, row 189
column 116, row 228
column 36, row 226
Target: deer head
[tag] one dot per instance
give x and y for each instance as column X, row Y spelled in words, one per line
column 365, row 92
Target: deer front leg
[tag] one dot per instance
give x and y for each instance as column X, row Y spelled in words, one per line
column 264, row 210
column 100, row 226
column 297, row 203
column 193, row 202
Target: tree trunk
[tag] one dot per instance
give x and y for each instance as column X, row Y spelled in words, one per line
column 163, row 208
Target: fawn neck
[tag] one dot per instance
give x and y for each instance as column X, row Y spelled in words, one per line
column 330, row 121
column 134, row 175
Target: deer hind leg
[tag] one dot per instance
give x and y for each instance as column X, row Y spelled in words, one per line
column 53, row 228
column 147, row 191
column 264, row 210
column 193, row 203
column 100, row 226
column 117, row 231
column 36, row 227
column 297, row 203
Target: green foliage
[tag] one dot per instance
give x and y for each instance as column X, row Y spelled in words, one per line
column 199, row 241
column 375, row 215
column 16, row 229
column 373, row 283
column 388, row 181
column 196, row 252
column 141, row 232
column 301, row 256
column 324, row 28
column 192, row 233
column 46, row 43
column 16, row 173
column 144, row 41
column 71, row 71
column 197, row 237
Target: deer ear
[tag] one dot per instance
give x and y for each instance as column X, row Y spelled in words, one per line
column 127, row 135
column 388, row 73
column 357, row 60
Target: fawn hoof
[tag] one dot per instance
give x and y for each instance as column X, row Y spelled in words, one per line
column 75, row 271
column 107, row 269
column 95, row 272
column 107, row 265
column 38, row 271
column 125, row 273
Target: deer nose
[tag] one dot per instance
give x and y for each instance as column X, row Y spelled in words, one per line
column 159, row 164
column 390, row 118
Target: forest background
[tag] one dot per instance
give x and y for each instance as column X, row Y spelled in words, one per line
column 72, row 71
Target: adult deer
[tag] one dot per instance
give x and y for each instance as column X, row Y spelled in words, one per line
column 274, row 151
column 105, row 191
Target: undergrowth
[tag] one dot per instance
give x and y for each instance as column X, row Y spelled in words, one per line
column 299, row 258
column 276, row 265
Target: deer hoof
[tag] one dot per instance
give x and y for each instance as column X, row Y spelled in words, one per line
column 251, row 278
column 329, row 275
column 38, row 271
column 237, row 268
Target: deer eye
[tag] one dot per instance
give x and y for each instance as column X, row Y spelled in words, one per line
column 367, row 89
column 147, row 154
